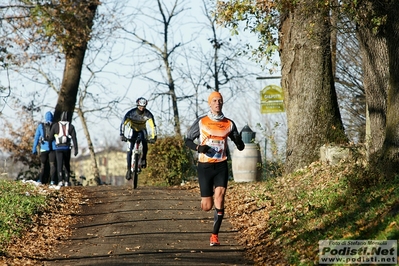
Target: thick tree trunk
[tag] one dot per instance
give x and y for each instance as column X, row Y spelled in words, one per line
column 391, row 141
column 75, row 54
column 375, row 81
column 70, row 84
column 380, row 52
column 74, row 57
column 307, row 79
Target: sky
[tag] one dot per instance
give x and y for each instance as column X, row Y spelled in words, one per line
column 118, row 78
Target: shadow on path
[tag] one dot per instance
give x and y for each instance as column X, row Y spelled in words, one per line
column 146, row 226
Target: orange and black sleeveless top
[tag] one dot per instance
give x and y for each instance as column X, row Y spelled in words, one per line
column 213, row 133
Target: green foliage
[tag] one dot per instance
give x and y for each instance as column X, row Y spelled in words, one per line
column 169, row 162
column 18, row 203
column 368, row 14
column 259, row 17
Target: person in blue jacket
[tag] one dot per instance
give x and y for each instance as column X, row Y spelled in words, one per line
column 47, row 150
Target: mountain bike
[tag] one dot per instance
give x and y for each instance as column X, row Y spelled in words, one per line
column 137, row 154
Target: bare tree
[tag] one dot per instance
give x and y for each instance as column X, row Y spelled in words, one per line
column 96, row 106
column 162, row 47
column 226, row 67
column 216, row 61
column 348, row 80
column 95, row 100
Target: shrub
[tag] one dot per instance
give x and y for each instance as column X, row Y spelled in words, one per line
column 170, row 162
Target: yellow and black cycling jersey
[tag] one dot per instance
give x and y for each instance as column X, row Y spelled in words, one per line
column 137, row 121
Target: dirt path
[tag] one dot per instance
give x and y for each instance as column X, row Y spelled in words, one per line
column 146, row 226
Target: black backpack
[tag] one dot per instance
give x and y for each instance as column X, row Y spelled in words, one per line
column 46, row 131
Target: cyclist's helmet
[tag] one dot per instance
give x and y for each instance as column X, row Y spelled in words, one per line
column 141, row 102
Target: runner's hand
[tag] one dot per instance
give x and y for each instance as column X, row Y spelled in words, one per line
column 238, row 141
column 203, row 148
column 123, row 138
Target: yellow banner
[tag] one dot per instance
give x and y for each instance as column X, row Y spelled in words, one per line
column 272, row 100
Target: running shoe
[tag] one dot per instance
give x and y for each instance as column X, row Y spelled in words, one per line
column 54, row 187
column 214, row 241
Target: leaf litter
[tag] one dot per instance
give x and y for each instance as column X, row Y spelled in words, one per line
column 268, row 217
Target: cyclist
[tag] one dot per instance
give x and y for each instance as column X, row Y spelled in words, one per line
column 136, row 121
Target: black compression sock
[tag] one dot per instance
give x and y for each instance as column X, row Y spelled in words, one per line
column 218, row 217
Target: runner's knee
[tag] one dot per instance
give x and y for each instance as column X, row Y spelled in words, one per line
column 206, row 204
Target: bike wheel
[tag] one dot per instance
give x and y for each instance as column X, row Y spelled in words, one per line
column 136, row 171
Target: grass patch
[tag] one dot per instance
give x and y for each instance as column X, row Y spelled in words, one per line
column 19, row 202
column 319, row 202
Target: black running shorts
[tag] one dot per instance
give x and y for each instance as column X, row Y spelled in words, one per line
column 212, row 175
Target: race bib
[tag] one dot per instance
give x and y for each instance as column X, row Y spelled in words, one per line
column 216, row 150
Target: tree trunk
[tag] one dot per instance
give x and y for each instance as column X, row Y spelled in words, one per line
column 172, row 92
column 70, row 84
column 74, row 57
column 307, row 80
column 391, row 142
column 380, row 52
column 334, row 36
column 94, row 167
column 375, row 81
